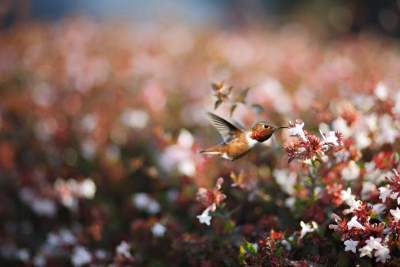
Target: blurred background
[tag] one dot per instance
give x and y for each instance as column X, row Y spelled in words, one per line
column 338, row 16
column 102, row 116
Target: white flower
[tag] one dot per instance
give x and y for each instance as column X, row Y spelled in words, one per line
column 365, row 251
column 290, row 201
column 385, row 192
column 382, row 254
column 353, row 223
column 43, row 206
column 362, row 140
column 81, row 256
column 158, row 229
column 381, row 91
column 39, row 261
column 135, row 118
column 330, row 138
column 353, row 206
column 347, row 196
column 297, row 130
column 307, row 228
column 143, row 202
column 367, row 189
column 307, row 161
column 180, row 156
column 351, row 172
column 351, row 245
column 87, row 188
column 350, row 200
column 89, row 122
column 371, row 121
column 205, row 216
column 287, row 180
column 340, row 125
column 67, row 237
column 396, row 214
column 381, row 251
column 68, row 191
column 63, row 238
column 374, row 242
column 394, row 195
column 23, row 254
column 187, row 167
column 101, row 254
column 40, row 205
column 123, row 250
column 388, row 132
column 185, row 139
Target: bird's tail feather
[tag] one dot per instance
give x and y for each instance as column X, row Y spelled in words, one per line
column 211, row 151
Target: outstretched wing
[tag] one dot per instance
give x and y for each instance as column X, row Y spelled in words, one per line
column 226, row 129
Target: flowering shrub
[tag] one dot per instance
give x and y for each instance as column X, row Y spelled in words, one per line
column 100, row 133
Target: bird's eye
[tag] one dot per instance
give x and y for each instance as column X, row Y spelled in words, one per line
column 266, row 126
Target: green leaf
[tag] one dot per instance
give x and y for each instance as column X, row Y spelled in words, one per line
column 229, row 226
column 250, row 248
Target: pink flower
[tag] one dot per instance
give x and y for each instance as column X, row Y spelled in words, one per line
column 211, row 196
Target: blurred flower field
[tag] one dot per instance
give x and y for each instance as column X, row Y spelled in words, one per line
column 101, row 127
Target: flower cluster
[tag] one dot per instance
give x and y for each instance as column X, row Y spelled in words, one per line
column 211, row 199
column 308, row 146
column 372, row 228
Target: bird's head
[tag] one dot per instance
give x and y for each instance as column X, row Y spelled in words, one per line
column 262, row 131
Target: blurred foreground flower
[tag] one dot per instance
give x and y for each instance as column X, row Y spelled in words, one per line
column 71, row 190
column 211, row 198
column 180, row 155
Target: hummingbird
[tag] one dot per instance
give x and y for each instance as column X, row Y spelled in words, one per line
column 238, row 141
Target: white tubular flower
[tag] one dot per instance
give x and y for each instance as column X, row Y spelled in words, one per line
column 351, row 171
column 205, row 216
column 353, row 223
column 307, row 228
column 330, row 138
column 297, row 130
column 123, row 249
column 382, row 254
column 385, row 192
column 81, row 256
column 396, row 214
column 351, row 245
column 366, row 251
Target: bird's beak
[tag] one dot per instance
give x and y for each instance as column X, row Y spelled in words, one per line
column 282, row 127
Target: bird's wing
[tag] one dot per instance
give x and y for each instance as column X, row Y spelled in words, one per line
column 226, row 129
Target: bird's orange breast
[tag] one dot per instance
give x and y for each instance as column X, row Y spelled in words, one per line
column 237, row 147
